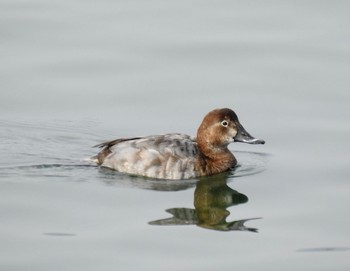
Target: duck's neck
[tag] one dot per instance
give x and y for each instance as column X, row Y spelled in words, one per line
column 215, row 160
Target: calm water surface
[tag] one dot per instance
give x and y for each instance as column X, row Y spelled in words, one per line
column 76, row 73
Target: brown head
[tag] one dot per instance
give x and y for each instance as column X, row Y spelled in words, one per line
column 219, row 128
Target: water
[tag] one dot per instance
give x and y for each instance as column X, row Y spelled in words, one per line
column 76, row 73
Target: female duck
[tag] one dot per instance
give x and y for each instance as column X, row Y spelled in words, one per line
column 179, row 156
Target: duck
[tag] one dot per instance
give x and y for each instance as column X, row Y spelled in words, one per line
column 177, row 156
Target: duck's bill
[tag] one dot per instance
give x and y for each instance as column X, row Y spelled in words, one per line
column 245, row 137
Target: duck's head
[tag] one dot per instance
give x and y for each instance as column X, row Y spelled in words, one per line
column 221, row 127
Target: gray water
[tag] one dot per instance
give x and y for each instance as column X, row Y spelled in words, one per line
column 76, row 73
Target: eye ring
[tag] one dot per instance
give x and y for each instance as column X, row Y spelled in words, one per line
column 224, row 123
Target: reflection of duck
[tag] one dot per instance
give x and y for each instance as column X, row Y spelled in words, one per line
column 179, row 156
column 212, row 197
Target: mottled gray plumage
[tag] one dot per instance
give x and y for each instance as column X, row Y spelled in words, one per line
column 169, row 156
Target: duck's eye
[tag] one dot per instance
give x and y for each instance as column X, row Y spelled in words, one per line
column 224, row 123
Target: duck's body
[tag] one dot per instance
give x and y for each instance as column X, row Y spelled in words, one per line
column 170, row 156
column 179, row 156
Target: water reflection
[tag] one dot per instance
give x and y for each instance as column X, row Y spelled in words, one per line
column 212, row 197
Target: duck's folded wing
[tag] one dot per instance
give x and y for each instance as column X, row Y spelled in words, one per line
column 109, row 144
column 106, row 148
column 162, row 156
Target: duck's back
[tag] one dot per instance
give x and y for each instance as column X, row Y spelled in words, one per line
column 170, row 156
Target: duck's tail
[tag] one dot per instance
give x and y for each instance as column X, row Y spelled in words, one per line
column 92, row 159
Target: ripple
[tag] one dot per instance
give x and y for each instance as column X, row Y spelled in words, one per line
column 324, row 249
column 250, row 163
column 46, row 170
column 59, row 234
